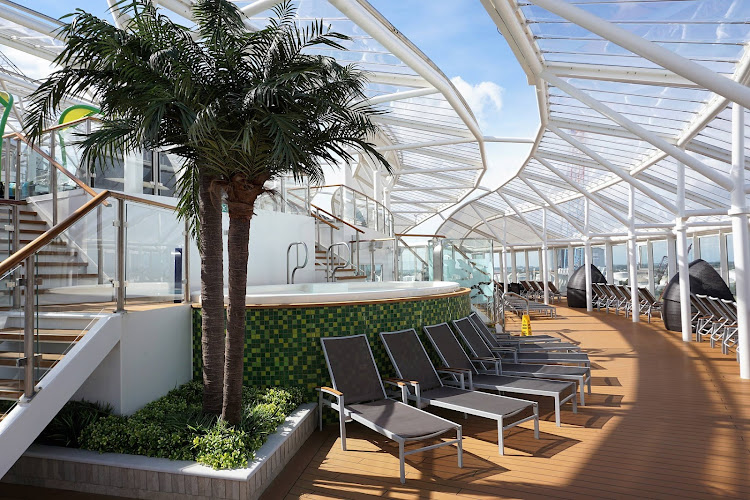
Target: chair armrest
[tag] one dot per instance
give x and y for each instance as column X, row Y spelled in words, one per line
column 482, row 359
column 400, row 381
column 453, row 370
column 402, row 384
column 332, row 392
column 503, row 349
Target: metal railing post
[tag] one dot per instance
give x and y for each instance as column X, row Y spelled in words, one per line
column 186, row 261
column 356, row 242
column 28, row 330
column 16, row 247
column 18, row 170
column 99, row 247
column 120, row 256
column 6, row 167
column 89, row 177
column 53, row 179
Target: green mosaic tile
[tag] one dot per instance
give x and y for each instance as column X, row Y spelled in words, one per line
column 282, row 345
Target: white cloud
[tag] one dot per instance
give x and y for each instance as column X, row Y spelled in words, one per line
column 485, row 98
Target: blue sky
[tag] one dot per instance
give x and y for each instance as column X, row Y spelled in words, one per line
column 460, row 37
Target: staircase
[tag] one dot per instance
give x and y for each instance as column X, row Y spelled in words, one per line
column 56, row 334
column 348, row 273
column 58, row 264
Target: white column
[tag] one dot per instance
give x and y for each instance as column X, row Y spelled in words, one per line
column 505, row 255
column 555, row 268
column 513, row 268
column 545, row 264
column 571, row 260
column 587, row 256
column 682, row 257
column 633, row 254
column 741, row 234
column 608, row 262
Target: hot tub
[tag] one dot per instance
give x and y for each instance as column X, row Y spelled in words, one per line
column 325, row 293
column 284, row 324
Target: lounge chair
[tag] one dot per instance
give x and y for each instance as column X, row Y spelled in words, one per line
column 452, row 354
column 481, row 351
column 550, row 357
column 413, row 364
column 554, row 292
column 355, row 377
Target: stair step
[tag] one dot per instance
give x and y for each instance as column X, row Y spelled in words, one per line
column 10, row 389
column 350, row 277
column 51, row 335
column 60, row 263
column 27, row 212
column 10, row 358
column 35, row 222
column 32, row 231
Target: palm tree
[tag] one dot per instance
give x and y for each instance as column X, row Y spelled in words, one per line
column 241, row 107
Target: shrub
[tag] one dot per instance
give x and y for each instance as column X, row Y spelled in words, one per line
column 174, row 427
column 68, row 425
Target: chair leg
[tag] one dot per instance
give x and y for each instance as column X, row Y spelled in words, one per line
column 536, row 421
column 401, row 466
column 557, row 409
column 582, row 384
column 574, row 402
column 500, row 438
column 460, row 448
column 588, row 384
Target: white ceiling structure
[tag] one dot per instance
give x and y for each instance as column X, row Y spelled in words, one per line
column 430, row 134
column 628, row 91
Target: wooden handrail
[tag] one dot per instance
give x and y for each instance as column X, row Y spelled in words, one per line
column 43, row 239
column 337, row 218
column 12, row 202
column 39, row 242
column 59, row 126
column 144, row 201
column 321, row 219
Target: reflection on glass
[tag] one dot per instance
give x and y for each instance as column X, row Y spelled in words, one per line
column 661, row 266
column 730, row 264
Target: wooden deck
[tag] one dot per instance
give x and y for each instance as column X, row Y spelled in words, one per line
column 666, row 419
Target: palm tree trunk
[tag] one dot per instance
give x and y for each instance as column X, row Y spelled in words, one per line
column 237, row 247
column 212, row 297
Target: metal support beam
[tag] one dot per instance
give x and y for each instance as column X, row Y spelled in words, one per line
column 740, row 236
column 656, row 141
column 622, row 174
column 551, row 204
column 28, row 328
column 682, row 259
column 545, row 264
column 633, row 256
column 520, row 215
column 649, row 50
column 589, row 196
column 587, row 257
column 120, row 257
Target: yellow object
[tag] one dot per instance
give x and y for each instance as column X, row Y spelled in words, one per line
column 526, row 325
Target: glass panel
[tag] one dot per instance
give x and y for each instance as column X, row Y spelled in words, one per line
column 534, row 269
column 360, row 210
column 169, row 167
column 154, row 268
column 642, row 265
column 469, row 262
column 562, row 269
column 620, row 264
column 521, row 266
column 661, row 266
column 710, row 251
column 597, row 258
column 579, row 257
column 730, row 264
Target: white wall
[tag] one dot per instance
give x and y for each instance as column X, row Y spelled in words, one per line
column 154, row 355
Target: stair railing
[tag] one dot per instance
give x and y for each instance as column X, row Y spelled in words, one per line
column 28, row 258
column 331, row 268
column 296, row 245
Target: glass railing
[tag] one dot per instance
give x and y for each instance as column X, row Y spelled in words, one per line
column 286, row 194
column 375, row 259
column 354, row 207
column 114, row 252
column 469, row 262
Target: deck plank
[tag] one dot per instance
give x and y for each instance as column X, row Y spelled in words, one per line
column 667, row 419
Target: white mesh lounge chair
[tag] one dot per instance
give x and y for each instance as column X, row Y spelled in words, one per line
column 550, row 357
column 413, row 365
column 452, row 354
column 358, row 394
column 488, row 362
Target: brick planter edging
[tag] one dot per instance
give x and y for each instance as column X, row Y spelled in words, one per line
column 136, row 476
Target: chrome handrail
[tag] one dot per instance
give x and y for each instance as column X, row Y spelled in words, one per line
column 296, row 244
column 331, row 273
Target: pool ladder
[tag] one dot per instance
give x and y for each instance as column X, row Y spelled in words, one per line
column 330, row 256
column 296, row 245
